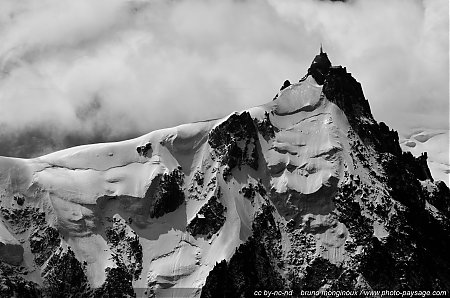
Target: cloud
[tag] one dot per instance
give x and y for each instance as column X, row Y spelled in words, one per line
column 398, row 50
column 109, row 69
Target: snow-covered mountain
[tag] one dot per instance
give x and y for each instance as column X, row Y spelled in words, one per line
column 305, row 192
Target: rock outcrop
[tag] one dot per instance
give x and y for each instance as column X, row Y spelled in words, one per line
column 125, row 246
column 252, row 266
column 320, row 67
column 43, row 243
column 209, row 219
column 65, row 276
column 168, row 195
column 235, row 142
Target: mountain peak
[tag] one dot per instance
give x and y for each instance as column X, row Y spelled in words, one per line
column 320, row 66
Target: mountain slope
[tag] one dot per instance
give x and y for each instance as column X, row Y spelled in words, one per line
column 307, row 189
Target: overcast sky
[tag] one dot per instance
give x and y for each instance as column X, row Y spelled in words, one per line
column 96, row 70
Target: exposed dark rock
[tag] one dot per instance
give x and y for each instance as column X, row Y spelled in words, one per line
column 251, row 267
column 412, row 255
column 417, row 165
column 405, row 187
column 125, row 246
column 349, row 212
column 197, row 189
column 22, row 219
column 20, row 199
column 319, row 67
column 209, row 219
column 385, row 139
column 266, row 128
column 64, row 276
column 43, row 243
column 319, row 273
column 169, row 194
column 251, row 190
column 235, row 142
column 118, row 283
column 143, row 150
column 218, row 282
column 439, row 197
column 199, row 178
column 12, row 284
column 378, row 266
column 343, row 90
column 264, row 225
column 248, row 191
column 419, row 240
column 113, row 236
column 303, row 248
column 285, row 85
column 346, row 280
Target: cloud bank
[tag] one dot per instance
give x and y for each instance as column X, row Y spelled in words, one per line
column 82, row 71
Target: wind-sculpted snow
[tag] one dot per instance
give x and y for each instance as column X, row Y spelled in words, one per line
column 308, row 189
column 436, row 143
column 305, row 154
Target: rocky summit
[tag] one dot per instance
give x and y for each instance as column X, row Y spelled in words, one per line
column 307, row 192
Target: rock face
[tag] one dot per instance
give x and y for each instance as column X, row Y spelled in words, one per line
column 65, row 275
column 305, row 192
column 266, row 128
column 124, row 243
column 168, row 195
column 208, row 220
column 438, row 195
column 320, row 67
column 43, row 242
column 251, row 268
column 118, row 284
column 12, row 284
column 235, row 142
column 285, row 85
column 144, row 150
